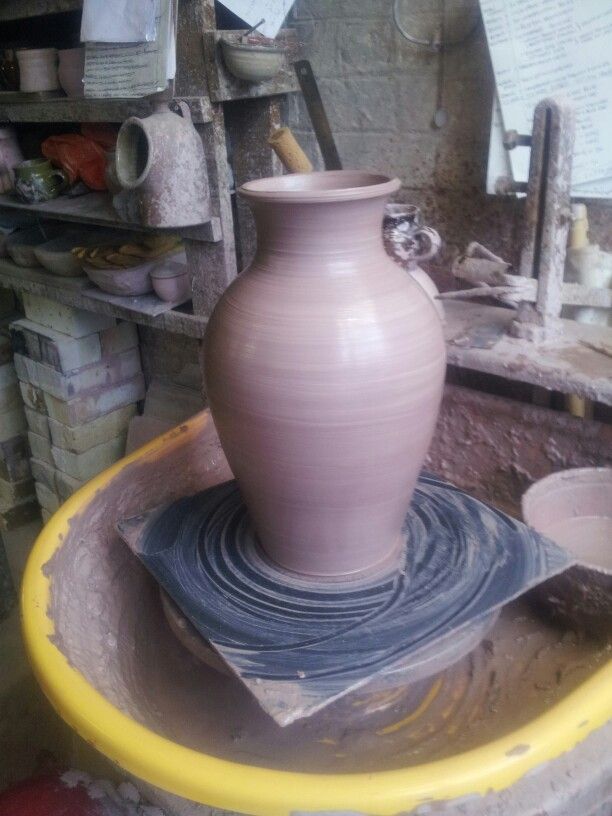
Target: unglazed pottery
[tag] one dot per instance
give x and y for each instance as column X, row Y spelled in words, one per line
column 574, row 509
column 161, row 166
column 322, row 343
column 71, row 70
column 56, row 255
column 131, row 281
column 21, row 244
column 171, row 281
column 38, row 70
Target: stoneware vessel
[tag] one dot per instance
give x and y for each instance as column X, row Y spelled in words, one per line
column 38, row 70
column 324, row 365
column 161, row 166
column 574, row 509
column 410, row 243
column 171, row 281
column 37, row 180
column 71, row 70
column 251, row 62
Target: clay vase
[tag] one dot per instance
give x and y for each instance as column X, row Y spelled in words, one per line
column 324, row 364
column 161, row 166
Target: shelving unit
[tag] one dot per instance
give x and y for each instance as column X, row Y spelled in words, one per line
column 202, row 81
column 63, row 109
column 97, row 209
column 78, row 292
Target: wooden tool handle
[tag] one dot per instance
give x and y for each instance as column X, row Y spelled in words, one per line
column 286, row 147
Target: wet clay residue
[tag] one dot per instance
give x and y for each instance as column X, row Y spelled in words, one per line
column 110, row 624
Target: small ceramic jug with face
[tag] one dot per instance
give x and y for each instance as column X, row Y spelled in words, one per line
column 410, row 243
column 36, row 180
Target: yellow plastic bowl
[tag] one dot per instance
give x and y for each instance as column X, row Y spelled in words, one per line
column 265, row 792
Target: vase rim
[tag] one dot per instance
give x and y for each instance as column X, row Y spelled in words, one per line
column 321, row 187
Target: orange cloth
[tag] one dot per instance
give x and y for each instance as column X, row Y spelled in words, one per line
column 82, row 156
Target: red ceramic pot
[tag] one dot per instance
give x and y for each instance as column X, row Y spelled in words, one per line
column 324, row 366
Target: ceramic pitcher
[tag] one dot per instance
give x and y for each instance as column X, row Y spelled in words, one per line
column 36, row 180
column 409, row 242
column 161, row 166
column 324, row 363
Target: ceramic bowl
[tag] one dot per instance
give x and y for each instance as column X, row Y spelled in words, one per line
column 21, row 246
column 71, row 70
column 171, row 281
column 130, row 282
column 252, row 63
column 56, row 256
column 574, row 509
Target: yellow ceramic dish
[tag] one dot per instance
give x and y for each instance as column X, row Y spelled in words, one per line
column 265, row 792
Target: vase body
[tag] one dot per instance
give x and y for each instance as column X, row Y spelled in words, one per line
column 324, row 365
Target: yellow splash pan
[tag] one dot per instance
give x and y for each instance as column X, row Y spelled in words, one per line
column 185, row 460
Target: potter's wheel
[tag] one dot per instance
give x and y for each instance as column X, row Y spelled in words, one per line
column 100, row 644
column 296, row 644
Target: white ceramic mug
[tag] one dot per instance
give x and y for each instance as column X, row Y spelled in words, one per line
column 38, row 70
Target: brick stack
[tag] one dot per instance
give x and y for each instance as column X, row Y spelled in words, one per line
column 17, row 501
column 80, row 378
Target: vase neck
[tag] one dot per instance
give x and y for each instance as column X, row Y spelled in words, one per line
column 325, row 231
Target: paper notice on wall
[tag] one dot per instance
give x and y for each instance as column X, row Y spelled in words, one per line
column 499, row 165
column 127, row 71
column 118, row 21
column 273, row 12
column 556, row 48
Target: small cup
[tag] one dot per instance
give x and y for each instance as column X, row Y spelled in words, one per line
column 38, row 70
column 36, row 180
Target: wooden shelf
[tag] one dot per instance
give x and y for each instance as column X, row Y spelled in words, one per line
column 80, row 292
column 64, row 109
column 97, row 208
column 21, row 9
column 578, row 363
column 224, row 86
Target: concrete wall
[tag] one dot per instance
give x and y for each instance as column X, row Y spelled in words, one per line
column 380, row 95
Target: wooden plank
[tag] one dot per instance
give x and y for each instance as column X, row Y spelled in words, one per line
column 21, row 9
column 213, row 265
column 477, row 338
column 249, row 123
column 63, row 109
column 224, row 86
column 193, row 17
column 97, row 208
column 34, row 280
